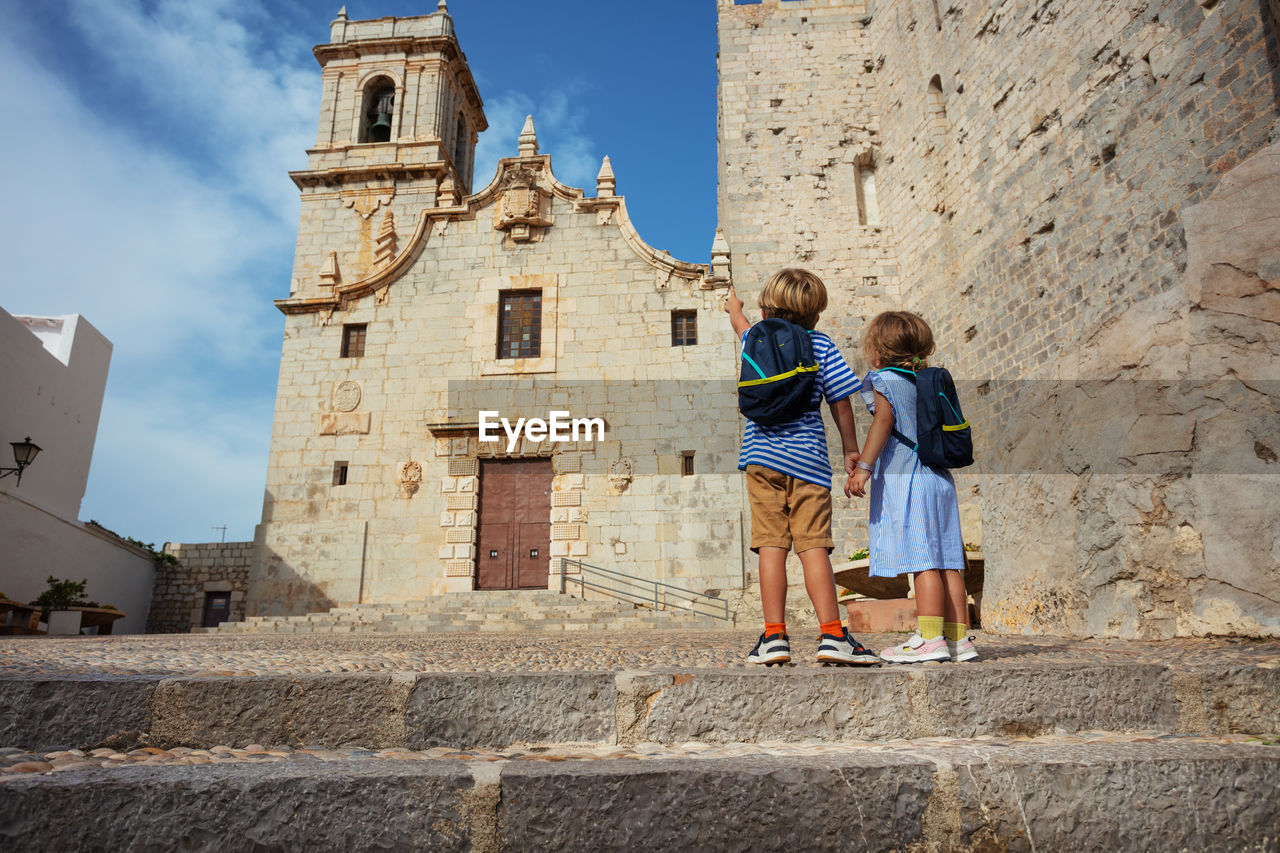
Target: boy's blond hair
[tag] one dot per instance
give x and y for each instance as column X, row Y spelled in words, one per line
column 796, row 295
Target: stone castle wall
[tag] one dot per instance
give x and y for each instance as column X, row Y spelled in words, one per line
column 798, row 130
column 1055, row 181
column 177, row 602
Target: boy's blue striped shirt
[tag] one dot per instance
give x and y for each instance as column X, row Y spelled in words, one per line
column 799, row 448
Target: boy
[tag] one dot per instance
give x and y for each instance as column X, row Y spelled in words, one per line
column 789, row 480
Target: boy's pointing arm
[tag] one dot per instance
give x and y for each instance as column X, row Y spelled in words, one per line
column 733, row 306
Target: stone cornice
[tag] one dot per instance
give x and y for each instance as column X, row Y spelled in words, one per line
column 303, row 178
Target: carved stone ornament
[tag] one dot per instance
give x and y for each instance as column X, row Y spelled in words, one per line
column 525, row 205
column 366, row 201
column 620, row 474
column 346, row 396
column 410, row 479
column 385, row 250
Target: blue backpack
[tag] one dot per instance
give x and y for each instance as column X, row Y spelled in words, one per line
column 943, row 437
column 779, row 372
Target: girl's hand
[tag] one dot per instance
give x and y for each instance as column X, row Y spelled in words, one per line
column 731, row 302
column 857, row 484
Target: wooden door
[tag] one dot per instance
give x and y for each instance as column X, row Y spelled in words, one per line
column 515, row 524
column 217, row 609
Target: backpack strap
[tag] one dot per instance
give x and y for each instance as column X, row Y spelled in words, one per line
column 751, row 361
column 910, row 375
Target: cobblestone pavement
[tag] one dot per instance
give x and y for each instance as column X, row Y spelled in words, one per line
column 200, row 654
column 15, row 761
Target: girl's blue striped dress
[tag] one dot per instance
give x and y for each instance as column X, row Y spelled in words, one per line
column 915, row 517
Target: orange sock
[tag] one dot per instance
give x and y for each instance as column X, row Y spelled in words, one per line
column 835, row 627
column 771, row 628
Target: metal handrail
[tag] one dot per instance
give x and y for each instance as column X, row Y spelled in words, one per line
column 664, row 595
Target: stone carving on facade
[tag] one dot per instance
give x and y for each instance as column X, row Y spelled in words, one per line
column 366, row 201
column 621, row 472
column 329, row 274
column 525, row 208
column 447, row 195
column 409, row 478
column 385, row 249
column 346, row 396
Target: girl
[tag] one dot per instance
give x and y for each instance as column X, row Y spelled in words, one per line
column 915, row 517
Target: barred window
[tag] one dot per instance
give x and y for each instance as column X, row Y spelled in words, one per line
column 520, row 324
column 684, row 328
column 353, row 335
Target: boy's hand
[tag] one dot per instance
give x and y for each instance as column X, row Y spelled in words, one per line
column 732, row 302
column 857, row 483
column 849, row 460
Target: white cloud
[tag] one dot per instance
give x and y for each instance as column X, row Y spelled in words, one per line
column 559, row 123
column 173, row 247
column 242, row 106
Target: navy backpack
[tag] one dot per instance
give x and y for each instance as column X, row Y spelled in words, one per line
column 943, row 437
column 779, row 372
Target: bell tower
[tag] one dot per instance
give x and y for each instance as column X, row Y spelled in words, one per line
column 399, row 119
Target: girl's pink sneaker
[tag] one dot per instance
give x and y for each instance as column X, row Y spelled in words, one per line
column 917, row 650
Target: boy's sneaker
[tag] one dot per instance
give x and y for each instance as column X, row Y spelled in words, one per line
column 917, row 650
column 844, row 650
column 962, row 651
column 773, row 650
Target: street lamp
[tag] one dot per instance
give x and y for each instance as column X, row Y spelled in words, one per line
column 24, row 453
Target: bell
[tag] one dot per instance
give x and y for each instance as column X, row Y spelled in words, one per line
column 380, row 130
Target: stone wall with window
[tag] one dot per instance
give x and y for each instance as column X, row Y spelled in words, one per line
column 205, row 586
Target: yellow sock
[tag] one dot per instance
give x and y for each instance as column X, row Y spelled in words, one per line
column 930, row 627
column 955, row 631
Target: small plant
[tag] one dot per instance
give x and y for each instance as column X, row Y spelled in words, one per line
column 970, row 546
column 61, row 594
column 860, row 554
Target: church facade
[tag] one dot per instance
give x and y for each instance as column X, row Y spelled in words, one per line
column 426, row 311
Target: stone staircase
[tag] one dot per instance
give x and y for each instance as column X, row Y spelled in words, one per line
column 488, row 611
column 1015, row 754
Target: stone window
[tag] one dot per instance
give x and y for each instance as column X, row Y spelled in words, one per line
column 520, row 324
column 460, row 147
column 340, row 473
column 868, row 207
column 686, row 463
column 936, row 108
column 376, row 110
column 684, row 328
column 353, row 336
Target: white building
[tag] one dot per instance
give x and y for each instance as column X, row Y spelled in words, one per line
column 53, row 373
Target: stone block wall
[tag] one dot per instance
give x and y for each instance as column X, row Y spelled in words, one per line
column 1069, row 190
column 799, row 166
column 1049, row 198
column 177, row 602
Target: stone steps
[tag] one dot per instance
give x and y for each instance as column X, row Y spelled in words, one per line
column 1015, row 756
column 1047, row 795
column 498, row 611
column 466, row 709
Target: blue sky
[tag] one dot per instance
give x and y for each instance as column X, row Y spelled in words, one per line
column 148, row 144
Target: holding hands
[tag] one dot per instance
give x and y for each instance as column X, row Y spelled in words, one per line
column 856, row 485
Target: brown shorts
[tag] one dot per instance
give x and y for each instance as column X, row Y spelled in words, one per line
column 787, row 511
